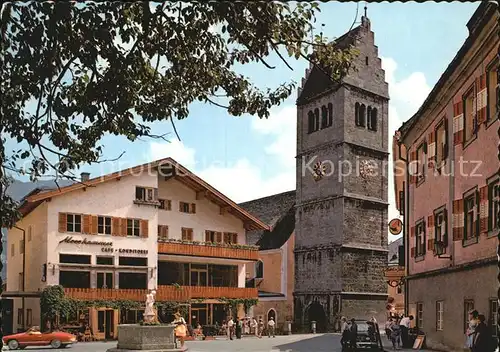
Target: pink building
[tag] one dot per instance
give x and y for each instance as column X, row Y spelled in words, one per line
column 447, row 185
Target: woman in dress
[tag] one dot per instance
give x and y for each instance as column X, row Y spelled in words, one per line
column 181, row 328
column 471, row 330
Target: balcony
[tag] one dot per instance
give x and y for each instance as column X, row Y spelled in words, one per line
column 163, row 293
column 201, row 249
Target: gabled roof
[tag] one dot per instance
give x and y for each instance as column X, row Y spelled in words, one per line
column 174, row 170
column 269, row 209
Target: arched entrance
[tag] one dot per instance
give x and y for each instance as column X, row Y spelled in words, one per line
column 315, row 312
column 271, row 314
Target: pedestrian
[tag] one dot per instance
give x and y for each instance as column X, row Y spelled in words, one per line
column 270, row 327
column 404, row 325
column 239, row 328
column 353, row 335
column 230, row 327
column 344, row 330
column 260, row 327
column 483, row 339
column 388, row 330
column 247, row 326
column 255, row 327
column 180, row 328
column 471, row 330
column 396, row 333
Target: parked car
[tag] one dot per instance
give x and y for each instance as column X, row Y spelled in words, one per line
column 33, row 337
column 368, row 337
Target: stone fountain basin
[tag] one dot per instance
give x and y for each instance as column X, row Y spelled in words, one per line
column 152, row 338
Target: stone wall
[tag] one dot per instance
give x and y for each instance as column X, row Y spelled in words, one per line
column 364, row 271
column 365, row 224
column 318, row 270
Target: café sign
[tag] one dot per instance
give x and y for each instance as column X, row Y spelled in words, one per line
column 107, row 247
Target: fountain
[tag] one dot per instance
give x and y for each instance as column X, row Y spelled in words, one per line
column 151, row 336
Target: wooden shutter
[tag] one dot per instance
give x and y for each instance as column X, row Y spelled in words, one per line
column 63, row 218
column 412, row 231
column 458, row 123
column 483, row 209
column 430, row 244
column 123, row 227
column 430, row 232
column 193, row 208
column 482, row 99
column 155, row 194
column 93, row 225
column 218, row 237
column 144, row 224
column 235, row 238
column 445, row 234
column 180, row 207
column 115, row 226
column 413, row 167
column 207, row 236
column 226, row 237
column 458, row 220
column 431, row 150
column 190, row 234
column 412, row 252
column 86, row 224
column 168, row 204
column 445, row 147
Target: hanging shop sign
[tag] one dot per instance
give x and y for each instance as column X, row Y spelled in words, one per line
column 395, row 226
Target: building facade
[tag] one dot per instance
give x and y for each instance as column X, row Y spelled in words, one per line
column 273, row 273
column 449, row 191
column 155, row 226
column 341, row 213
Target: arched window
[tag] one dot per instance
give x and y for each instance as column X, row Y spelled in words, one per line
column 259, row 270
column 356, row 113
column 373, row 120
column 310, row 122
column 330, row 114
column 271, row 313
column 369, row 117
column 324, row 117
column 316, row 119
column 362, row 115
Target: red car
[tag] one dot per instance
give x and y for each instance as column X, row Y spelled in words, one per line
column 33, row 337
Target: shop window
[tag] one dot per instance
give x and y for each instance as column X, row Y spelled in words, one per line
column 468, row 306
column 104, row 225
column 133, row 228
column 105, row 280
column 133, row 280
column 100, row 260
column 74, row 223
column 470, row 118
column 74, row 258
column 439, row 315
column 493, row 90
column 132, row 261
column 74, row 279
column 131, row 316
column 420, row 315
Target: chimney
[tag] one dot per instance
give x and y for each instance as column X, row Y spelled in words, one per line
column 85, row 176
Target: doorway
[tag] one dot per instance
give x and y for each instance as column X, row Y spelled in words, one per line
column 316, row 313
column 106, row 323
column 199, row 314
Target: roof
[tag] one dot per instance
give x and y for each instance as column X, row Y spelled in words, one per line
column 271, row 210
column 264, row 294
column 173, row 169
column 317, row 80
column 478, row 19
column 278, row 236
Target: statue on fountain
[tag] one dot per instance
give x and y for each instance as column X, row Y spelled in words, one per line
column 150, row 315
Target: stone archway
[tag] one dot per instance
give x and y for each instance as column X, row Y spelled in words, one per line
column 316, row 312
column 271, row 313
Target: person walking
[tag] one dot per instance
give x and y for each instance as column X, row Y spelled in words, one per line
column 260, row 327
column 255, row 327
column 471, row 330
column 396, row 333
column 239, row 328
column 353, row 335
column 483, row 338
column 270, row 327
column 404, row 325
column 180, row 328
column 344, row 330
column 230, row 327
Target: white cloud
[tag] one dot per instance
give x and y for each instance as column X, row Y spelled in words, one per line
column 407, row 95
column 176, row 150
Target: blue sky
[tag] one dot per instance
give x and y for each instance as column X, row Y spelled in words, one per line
column 247, row 158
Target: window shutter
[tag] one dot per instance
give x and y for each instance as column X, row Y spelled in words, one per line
column 458, row 123
column 483, row 209
column 123, row 227
column 430, row 231
column 155, row 194
column 431, row 155
column 63, row 222
column 180, row 206
column 412, row 231
column 144, row 228
column 93, row 225
column 482, row 99
column 458, row 220
column 168, row 204
column 207, row 236
column 413, row 167
column 219, row 237
column 430, row 244
column 86, row 224
column 226, row 237
column 445, row 233
column 412, row 252
column 165, row 231
column 190, row 234
column 445, row 147
column 115, row 226
column 193, row 208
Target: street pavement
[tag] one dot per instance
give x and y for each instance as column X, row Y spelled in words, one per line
column 292, row 343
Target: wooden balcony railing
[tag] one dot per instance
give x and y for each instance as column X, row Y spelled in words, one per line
column 205, row 250
column 163, row 293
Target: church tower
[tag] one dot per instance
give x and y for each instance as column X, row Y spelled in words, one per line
column 341, row 199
